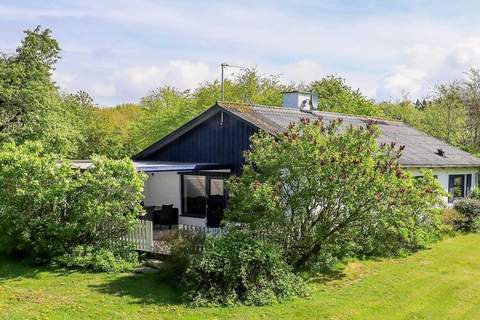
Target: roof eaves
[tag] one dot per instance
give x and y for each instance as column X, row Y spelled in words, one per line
column 210, row 112
column 450, row 165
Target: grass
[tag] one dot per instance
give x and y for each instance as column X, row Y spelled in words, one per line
column 439, row 283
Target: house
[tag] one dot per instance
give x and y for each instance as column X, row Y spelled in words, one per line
column 188, row 167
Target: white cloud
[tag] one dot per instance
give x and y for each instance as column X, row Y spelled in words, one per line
column 11, row 12
column 300, row 71
column 130, row 47
column 104, row 90
column 424, row 66
column 181, row 74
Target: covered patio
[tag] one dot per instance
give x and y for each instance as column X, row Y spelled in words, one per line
column 178, row 195
column 190, row 194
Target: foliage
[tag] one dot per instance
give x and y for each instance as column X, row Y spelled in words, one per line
column 471, row 102
column 167, row 108
column 452, row 220
column 470, row 211
column 236, row 268
column 403, row 111
column 475, row 193
column 451, row 113
column 444, row 117
column 315, row 187
column 162, row 111
column 185, row 246
column 421, row 284
column 30, row 105
column 105, row 131
column 47, row 208
column 336, row 96
column 117, row 258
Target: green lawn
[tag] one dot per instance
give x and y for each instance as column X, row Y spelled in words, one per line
column 440, row 283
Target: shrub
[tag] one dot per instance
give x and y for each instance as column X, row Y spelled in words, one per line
column 186, row 245
column 235, row 268
column 49, row 209
column 452, row 220
column 475, row 194
column 470, row 211
column 318, row 186
column 90, row 258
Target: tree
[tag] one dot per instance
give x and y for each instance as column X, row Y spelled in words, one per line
column 314, row 187
column 162, row 111
column 48, row 208
column 471, row 101
column 403, row 111
column 167, row 108
column 336, row 96
column 444, row 117
column 30, row 106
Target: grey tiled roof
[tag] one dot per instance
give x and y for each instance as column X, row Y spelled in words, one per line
column 420, row 148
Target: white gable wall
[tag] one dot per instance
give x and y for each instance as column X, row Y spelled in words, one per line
column 164, row 188
column 443, row 174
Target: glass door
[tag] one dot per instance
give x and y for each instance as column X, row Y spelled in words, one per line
column 216, row 201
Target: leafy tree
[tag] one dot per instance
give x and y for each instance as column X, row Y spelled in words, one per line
column 315, row 187
column 162, row 111
column 444, row 117
column 167, row 108
column 336, row 96
column 471, row 101
column 104, row 131
column 49, row 209
column 114, row 127
column 403, row 111
column 30, row 106
column 248, row 87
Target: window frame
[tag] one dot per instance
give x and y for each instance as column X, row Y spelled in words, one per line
column 183, row 198
column 207, row 176
column 466, row 188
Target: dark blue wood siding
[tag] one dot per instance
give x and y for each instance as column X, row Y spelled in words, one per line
column 210, row 142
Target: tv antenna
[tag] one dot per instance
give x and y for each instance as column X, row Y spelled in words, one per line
column 226, row 65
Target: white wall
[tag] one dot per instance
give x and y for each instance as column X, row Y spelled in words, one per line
column 443, row 173
column 162, row 188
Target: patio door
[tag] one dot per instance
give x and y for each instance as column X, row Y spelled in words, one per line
column 216, row 201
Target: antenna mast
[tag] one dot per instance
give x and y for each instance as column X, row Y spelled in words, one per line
column 223, row 66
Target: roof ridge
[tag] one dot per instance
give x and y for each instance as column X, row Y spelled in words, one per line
column 249, row 105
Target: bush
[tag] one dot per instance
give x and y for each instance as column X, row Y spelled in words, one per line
column 186, row 245
column 89, row 258
column 452, row 220
column 470, row 211
column 475, row 194
column 235, row 268
column 320, row 186
column 49, row 209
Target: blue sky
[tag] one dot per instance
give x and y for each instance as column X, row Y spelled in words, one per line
column 120, row 50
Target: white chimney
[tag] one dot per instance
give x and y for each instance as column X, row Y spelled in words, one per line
column 300, row 100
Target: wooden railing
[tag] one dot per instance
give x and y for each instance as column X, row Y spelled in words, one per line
column 142, row 236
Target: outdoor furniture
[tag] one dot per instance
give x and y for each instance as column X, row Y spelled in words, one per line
column 165, row 215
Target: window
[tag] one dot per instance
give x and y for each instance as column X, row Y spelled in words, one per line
column 194, row 196
column 216, row 187
column 459, row 186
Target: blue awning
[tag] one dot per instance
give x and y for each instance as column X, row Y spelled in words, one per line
column 161, row 166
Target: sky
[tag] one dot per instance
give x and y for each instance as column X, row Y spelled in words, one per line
column 118, row 51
